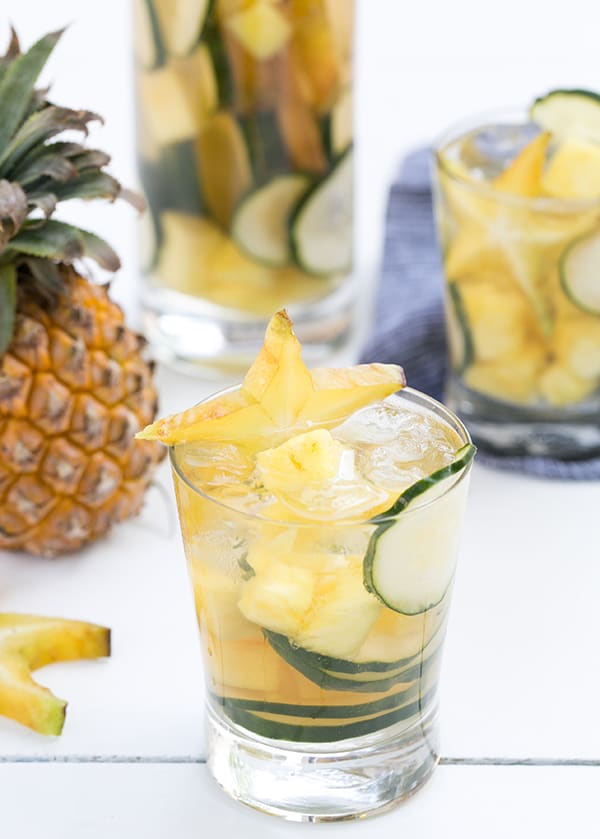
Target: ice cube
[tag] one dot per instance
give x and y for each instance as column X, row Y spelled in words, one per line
column 488, row 150
column 215, row 464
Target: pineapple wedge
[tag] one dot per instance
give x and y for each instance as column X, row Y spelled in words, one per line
column 28, row 643
column 279, row 395
column 311, row 457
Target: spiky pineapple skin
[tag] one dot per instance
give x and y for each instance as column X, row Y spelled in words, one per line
column 74, row 390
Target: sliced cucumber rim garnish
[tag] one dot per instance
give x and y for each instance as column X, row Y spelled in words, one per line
column 568, row 112
column 462, row 459
column 401, row 568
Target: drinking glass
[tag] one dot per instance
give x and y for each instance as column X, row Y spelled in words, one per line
column 244, row 145
column 523, row 331
column 322, row 701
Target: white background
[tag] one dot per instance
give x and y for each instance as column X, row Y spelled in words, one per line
column 521, row 677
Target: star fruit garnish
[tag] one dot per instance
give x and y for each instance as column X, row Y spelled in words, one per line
column 27, row 643
column 280, row 394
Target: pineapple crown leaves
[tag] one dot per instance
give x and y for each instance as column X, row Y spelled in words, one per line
column 38, row 170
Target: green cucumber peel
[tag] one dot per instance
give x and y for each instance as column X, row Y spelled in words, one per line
column 327, row 733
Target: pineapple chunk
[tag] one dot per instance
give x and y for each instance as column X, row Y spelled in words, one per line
column 560, row 386
column 577, row 345
column 279, row 395
column 179, row 98
column 311, row 457
column 278, row 597
column 498, row 315
column 216, row 595
column 246, row 665
column 523, row 175
column 261, row 29
column 513, row 377
column 574, row 171
column 342, row 614
column 28, row 643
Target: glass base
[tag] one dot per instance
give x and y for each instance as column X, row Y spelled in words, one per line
column 202, row 338
column 308, row 783
column 569, row 433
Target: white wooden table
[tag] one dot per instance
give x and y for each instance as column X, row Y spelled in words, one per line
column 521, row 682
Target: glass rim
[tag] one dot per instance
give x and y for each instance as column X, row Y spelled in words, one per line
column 416, row 396
column 539, row 203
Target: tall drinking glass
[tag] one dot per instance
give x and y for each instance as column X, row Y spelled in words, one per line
column 244, row 141
column 322, row 624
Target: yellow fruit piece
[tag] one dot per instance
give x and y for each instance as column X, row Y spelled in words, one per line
column 247, row 665
column 512, row 378
column 498, row 315
column 524, row 174
column 340, row 14
column 342, row 614
column 314, row 50
column 396, row 636
column 278, row 597
column 576, row 345
column 178, row 99
column 280, row 395
column 560, row 386
column 216, row 594
column 197, row 258
column 297, row 120
column 28, row 643
column 224, row 166
column 573, row 171
column 310, row 457
column 261, row 29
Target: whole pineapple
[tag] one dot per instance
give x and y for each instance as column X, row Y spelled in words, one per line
column 74, row 386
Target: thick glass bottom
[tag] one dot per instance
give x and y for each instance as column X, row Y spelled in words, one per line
column 203, row 338
column 329, row 782
column 569, row 433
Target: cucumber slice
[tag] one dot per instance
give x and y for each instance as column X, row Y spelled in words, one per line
column 213, row 41
column 321, row 224
column 260, row 222
column 460, row 339
column 149, row 49
column 305, row 732
column 573, row 113
column 580, row 273
column 352, row 710
column 182, row 22
column 302, row 660
column 409, row 562
column 268, row 154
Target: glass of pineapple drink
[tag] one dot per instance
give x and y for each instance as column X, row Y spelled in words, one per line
column 518, row 211
column 320, row 517
column 245, row 133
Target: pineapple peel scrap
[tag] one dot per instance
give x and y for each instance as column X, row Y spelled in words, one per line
column 27, row 643
column 279, row 393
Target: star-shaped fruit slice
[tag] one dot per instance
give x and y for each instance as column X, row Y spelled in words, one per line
column 28, row 643
column 280, row 395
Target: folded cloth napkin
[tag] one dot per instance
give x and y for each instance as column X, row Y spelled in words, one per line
column 409, row 311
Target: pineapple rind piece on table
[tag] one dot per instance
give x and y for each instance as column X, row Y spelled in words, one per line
column 74, row 384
